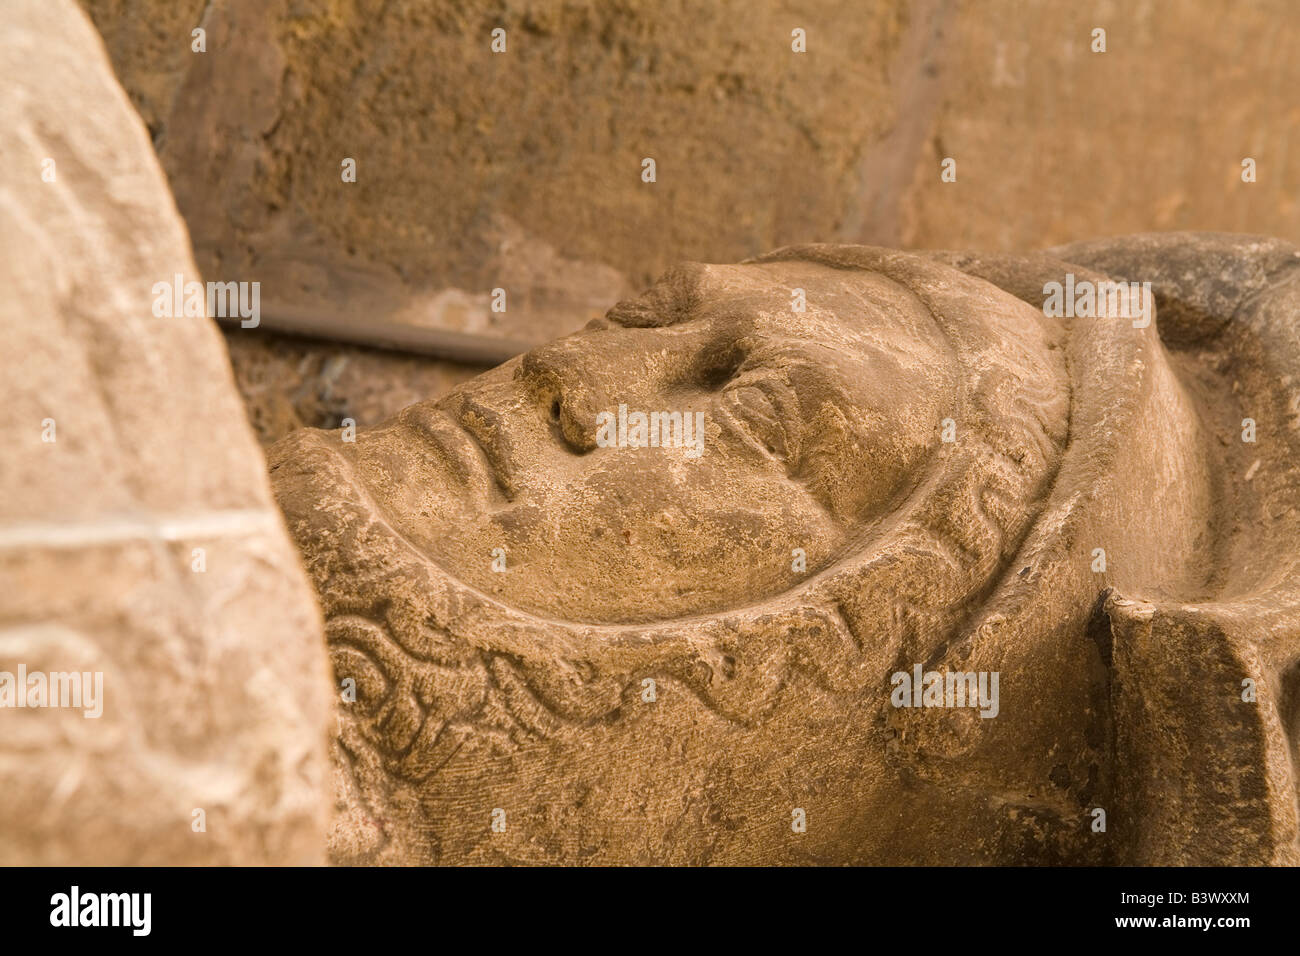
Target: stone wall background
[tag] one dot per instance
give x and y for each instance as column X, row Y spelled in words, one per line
column 521, row 170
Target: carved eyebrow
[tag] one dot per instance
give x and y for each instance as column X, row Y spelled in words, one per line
column 672, row 299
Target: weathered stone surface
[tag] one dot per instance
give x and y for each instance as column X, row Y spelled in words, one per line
column 214, row 682
column 649, row 677
column 519, row 170
column 1054, row 142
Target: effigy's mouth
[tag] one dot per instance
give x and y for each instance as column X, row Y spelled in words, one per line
column 488, row 429
column 467, row 460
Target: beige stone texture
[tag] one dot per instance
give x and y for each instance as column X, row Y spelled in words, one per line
column 1055, row 142
column 126, row 448
column 475, row 170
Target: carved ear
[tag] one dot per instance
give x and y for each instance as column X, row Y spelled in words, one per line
column 1203, row 763
column 1199, row 279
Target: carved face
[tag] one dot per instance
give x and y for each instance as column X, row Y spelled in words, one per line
column 814, row 423
column 824, row 431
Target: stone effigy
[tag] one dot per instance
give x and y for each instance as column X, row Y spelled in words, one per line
column 163, row 681
column 839, row 555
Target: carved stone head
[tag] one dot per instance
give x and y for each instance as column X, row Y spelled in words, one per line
column 676, row 588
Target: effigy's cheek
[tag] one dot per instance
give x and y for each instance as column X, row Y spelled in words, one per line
column 637, row 536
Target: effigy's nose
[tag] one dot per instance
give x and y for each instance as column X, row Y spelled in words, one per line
column 566, row 388
column 576, row 378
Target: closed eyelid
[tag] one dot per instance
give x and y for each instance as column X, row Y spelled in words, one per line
column 779, row 392
column 767, row 425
